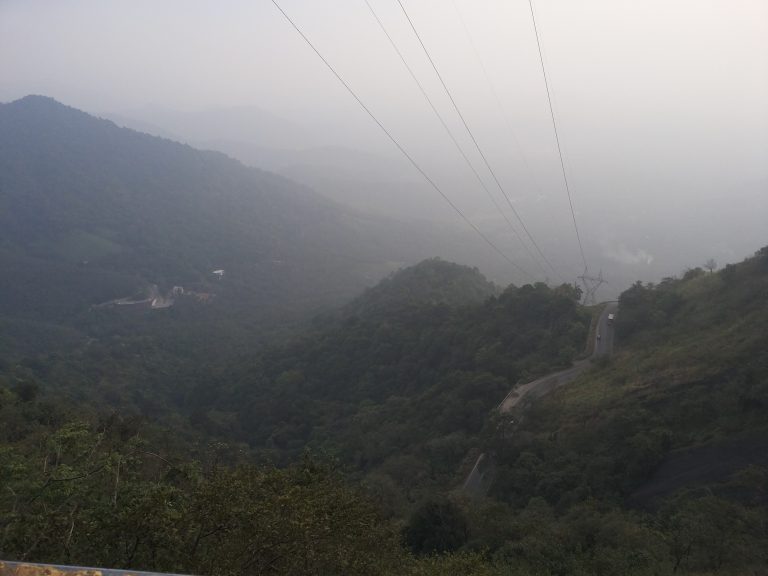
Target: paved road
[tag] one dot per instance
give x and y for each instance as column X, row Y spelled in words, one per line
column 479, row 480
column 603, row 344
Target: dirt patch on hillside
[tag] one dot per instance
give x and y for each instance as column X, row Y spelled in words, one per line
column 699, row 465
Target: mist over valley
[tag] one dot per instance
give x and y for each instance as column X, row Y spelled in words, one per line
column 384, row 288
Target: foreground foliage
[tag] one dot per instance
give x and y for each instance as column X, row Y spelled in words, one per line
column 99, row 494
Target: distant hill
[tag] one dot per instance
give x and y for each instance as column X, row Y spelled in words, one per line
column 400, row 384
column 431, row 282
column 328, row 157
column 91, row 212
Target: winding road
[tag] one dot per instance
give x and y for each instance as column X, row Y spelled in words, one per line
column 480, row 478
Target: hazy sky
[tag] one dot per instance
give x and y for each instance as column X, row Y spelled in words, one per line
column 661, row 104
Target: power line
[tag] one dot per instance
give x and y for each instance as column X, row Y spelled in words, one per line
column 496, row 96
column 557, row 137
column 501, row 107
column 504, row 115
column 472, row 136
column 397, row 144
column 450, row 132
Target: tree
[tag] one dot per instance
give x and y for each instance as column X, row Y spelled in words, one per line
column 438, row 526
column 710, row 265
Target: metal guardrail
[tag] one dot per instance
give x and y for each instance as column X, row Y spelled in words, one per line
column 32, row 569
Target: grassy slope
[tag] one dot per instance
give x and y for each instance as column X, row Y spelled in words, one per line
column 691, row 372
column 653, row 461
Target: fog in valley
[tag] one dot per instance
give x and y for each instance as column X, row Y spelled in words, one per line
column 384, row 287
column 660, row 107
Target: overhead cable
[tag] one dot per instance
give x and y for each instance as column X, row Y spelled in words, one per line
column 397, row 144
column 557, row 138
column 472, row 136
column 497, row 98
column 450, row 133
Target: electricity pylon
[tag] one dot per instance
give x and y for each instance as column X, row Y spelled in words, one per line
column 591, row 284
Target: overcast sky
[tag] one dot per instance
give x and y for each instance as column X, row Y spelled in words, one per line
column 661, row 104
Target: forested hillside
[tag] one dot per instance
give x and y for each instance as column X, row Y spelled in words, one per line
column 394, row 389
column 146, row 423
column 656, row 460
column 302, row 288
column 90, row 212
column 431, row 282
column 652, row 462
column 400, row 384
column 134, row 266
column 109, row 491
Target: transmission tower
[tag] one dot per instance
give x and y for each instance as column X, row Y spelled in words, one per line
column 591, row 284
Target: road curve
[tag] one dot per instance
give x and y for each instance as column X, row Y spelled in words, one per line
column 603, row 345
column 479, row 479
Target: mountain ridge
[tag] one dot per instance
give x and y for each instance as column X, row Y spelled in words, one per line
column 81, row 194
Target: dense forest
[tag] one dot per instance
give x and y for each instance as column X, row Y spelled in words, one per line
column 280, row 418
column 391, row 391
column 652, row 462
column 106, row 492
column 398, row 386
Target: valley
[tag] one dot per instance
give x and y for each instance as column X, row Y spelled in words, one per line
column 249, row 362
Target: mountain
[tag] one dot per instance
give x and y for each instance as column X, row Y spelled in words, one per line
column 322, row 156
column 137, row 272
column 117, row 245
column 651, row 462
column 90, row 212
column 398, row 385
column 431, row 282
